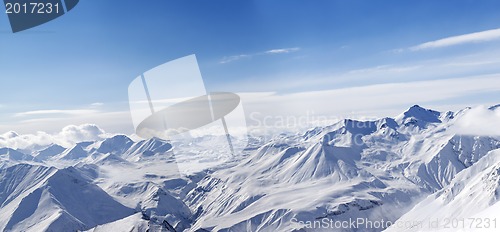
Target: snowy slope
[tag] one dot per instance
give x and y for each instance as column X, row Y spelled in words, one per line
column 374, row 169
column 468, row 203
column 154, row 203
column 78, row 151
column 49, row 152
column 147, row 148
column 13, row 155
column 133, row 223
column 37, row 198
column 117, row 144
column 66, row 198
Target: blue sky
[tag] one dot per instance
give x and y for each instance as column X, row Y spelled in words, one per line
column 77, row 68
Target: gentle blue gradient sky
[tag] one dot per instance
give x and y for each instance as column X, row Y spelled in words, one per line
column 91, row 54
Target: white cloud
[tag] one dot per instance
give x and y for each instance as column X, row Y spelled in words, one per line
column 479, row 121
column 97, row 104
column 477, row 37
column 371, row 100
column 384, row 69
column 450, row 67
column 282, row 50
column 234, row 58
column 8, row 135
column 268, row 52
column 73, row 134
column 113, row 122
column 54, row 112
column 67, row 137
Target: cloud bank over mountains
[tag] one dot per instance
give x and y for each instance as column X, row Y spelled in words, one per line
column 67, row 137
column 479, row 120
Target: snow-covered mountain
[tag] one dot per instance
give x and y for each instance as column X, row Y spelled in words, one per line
column 8, row 154
column 468, row 203
column 376, row 170
column 115, row 145
column 353, row 169
column 49, row 152
column 37, row 198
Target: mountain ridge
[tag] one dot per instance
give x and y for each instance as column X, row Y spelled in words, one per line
column 374, row 169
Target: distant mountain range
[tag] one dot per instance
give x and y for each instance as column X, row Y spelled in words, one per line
column 413, row 167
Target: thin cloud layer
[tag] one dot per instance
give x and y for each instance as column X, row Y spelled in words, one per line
column 477, row 37
column 268, row 52
column 56, row 112
column 282, row 50
column 369, row 98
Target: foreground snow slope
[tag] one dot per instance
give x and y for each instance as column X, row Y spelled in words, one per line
column 37, row 198
column 470, row 202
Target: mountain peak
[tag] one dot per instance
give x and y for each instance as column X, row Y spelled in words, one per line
column 9, row 135
column 14, row 155
column 74, row 153
column 85, row 144
column 148, row 147
column 387, row 122
column 497, row 106
column 116, row 144
column 418, row 108
column 156, row 139
column 419, row 116
column 49, row 152
column 120, row 137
